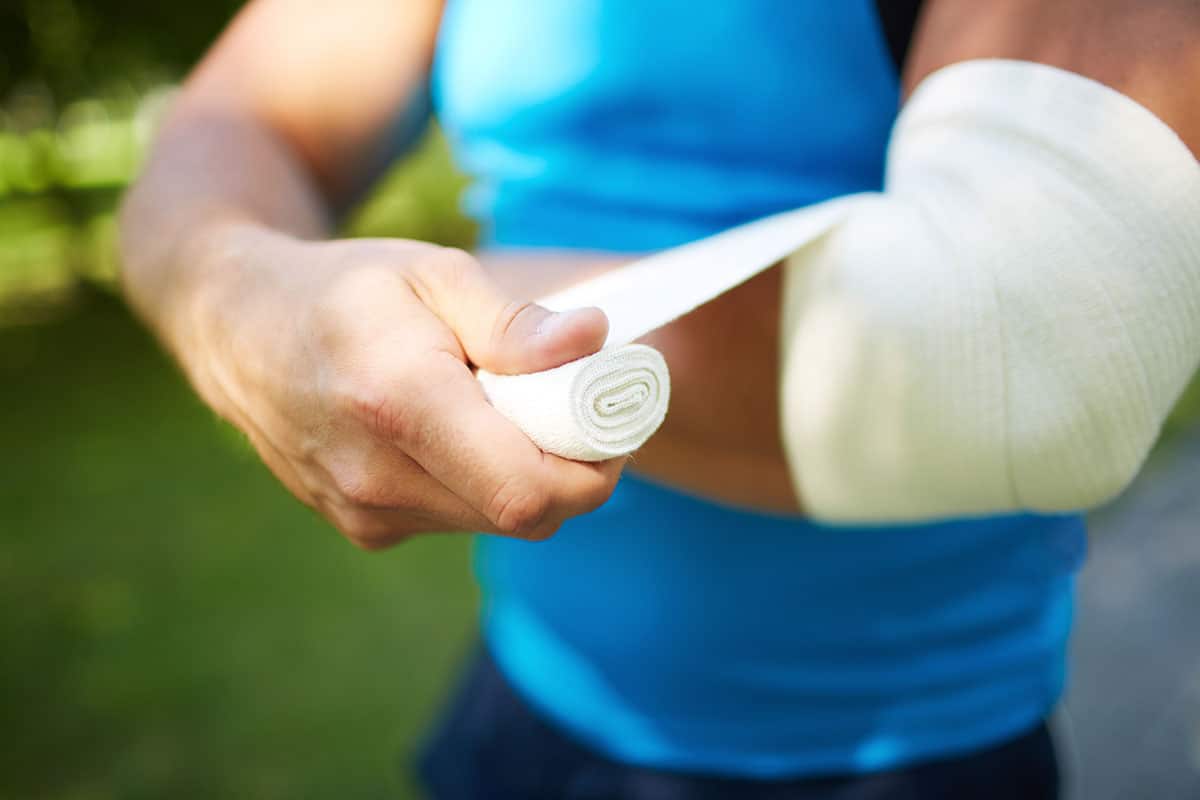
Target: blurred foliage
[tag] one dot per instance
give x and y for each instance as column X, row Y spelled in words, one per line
column 85, row 48
column 82, row 83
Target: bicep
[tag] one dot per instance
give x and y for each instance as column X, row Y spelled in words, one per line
column 1147, row 49
column 329, row 79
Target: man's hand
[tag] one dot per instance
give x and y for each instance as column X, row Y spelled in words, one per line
column 347, row 363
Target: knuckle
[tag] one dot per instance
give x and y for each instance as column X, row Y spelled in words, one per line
column 358, row 490
column 378, row 405
column 367, row 532
column 449, row 267
column 518, row 510
column 392, row 420
column 506, row 318
column 367, row 483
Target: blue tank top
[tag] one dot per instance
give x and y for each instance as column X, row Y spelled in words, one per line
column 662, row 629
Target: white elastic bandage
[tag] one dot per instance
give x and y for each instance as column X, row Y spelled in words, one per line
column 1009, row 324
column 591, row 409
column 1006, row 327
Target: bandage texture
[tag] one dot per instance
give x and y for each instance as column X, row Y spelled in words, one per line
column 605, row 405
column 1007, row 326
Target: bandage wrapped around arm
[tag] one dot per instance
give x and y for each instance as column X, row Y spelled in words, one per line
column 1008, row 325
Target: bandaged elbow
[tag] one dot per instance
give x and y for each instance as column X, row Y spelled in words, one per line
column 1008, row 325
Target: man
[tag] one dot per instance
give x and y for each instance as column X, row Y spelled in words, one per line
column 696, row 636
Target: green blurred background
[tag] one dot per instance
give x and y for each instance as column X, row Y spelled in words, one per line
column 173, row 624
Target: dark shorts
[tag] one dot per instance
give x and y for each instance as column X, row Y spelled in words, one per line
column 491, row 744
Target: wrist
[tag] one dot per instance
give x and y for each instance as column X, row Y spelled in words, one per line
column 213, row 315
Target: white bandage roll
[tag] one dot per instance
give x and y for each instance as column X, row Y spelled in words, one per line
column 605, row 405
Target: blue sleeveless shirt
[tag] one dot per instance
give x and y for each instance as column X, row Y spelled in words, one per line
column 662, row 629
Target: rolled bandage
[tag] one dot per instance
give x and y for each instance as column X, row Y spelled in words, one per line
column 605, row 405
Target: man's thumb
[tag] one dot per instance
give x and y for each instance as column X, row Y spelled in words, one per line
column 500, row 334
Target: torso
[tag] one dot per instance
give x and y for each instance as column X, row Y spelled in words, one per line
column 664, row 629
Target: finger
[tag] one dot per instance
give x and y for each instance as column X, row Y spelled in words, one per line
column 372, row 477
column 378, row 527
column 478, row 455
column 498, row 333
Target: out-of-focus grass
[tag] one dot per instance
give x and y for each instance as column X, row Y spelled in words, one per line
column 174, row 624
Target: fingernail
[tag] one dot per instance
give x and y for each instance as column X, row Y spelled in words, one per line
column 551, row 324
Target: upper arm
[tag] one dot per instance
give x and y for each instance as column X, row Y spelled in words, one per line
column 1146, row 49
column 329, row 79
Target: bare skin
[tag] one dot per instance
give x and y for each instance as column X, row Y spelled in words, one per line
column 1147, row 49
column 347, row 363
